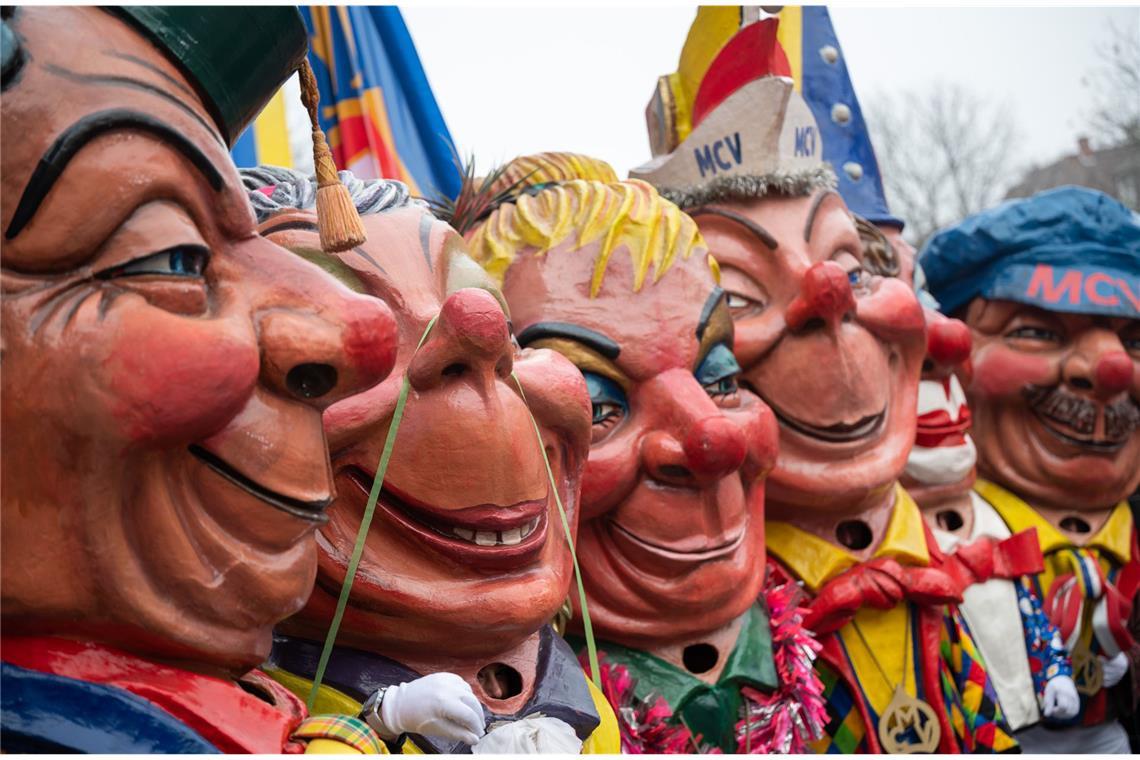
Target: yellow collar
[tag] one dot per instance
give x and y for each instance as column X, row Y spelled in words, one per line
column 816, row 561
column 1114, row 537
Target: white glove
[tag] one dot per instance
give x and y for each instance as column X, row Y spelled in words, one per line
column 440, row 705
column 532, row 735
column 1114, row 669
column 1061, row 698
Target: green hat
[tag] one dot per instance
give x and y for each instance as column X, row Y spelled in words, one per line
column 235, row 56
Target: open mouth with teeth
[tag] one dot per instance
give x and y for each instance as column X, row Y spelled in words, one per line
column 1091, row 445
column 314, row 511
column 488, row 536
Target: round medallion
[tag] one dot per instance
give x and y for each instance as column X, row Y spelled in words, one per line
column 1088, row 674
column 908, row 726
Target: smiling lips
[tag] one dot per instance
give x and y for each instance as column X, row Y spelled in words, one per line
column 841, row 432
column 677, row 555
column 485, row 535
column 1072, row 419
column 314, row 511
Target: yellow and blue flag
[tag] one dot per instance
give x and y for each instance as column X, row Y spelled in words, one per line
column 377, row 108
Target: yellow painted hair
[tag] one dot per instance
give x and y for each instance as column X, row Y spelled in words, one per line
column 617, row 213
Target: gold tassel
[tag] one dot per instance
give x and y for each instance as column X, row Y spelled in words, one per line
column 337, row 220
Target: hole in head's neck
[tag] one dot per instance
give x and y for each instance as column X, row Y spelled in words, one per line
column 854, row 534
column 500, row 681
column 700, row 658
column 949, row 520
column 1075, row 524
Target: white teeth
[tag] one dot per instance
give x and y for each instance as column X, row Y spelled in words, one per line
column 511, row 537
column 486, row 537
column 529, row 527
column 464, row 533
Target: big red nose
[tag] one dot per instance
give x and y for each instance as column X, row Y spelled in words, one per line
column 825, row 295
column 322, row 358
column 947, row 341
column 714, row 447
column 470, row 340
column 1113, row 373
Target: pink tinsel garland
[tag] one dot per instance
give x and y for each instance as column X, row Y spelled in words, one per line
column 783, row 721
column 789, row 718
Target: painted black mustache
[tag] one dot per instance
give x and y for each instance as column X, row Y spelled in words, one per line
column 1121, row 417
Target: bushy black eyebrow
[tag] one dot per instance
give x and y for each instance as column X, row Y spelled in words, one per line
column 75, row 137
column 767, row 238
column 595, row 340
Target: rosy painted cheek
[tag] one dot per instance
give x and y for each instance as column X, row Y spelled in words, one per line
column 355, row 417
column 606, row 480
column 1001, row 372
column 174, row 380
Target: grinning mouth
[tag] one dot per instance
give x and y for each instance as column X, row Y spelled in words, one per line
column 867, row 427
column 702, row 555
column 513, row 533
column 1072, row 419
column 1099, row 446
column 841, row 432
column 314, row 511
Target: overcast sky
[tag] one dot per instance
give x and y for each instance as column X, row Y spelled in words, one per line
column 519, row 80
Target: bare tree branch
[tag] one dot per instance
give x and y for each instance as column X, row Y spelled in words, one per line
column 1115, row 84
column 944, row 151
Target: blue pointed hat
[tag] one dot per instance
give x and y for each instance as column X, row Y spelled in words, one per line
column 827, row 89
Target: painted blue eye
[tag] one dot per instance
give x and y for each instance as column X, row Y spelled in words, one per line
column 607, row 397
column 859, row 278
column 179, row 261
column 718, row 370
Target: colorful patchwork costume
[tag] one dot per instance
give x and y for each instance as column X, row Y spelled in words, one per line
column 1022, row 649
column 859, row 606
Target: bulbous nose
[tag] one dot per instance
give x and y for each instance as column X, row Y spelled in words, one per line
column 322, row 358
column 714, row 447
column 695, row 445
column 470, row 340
column 948, row 345
column 1112, row 373
column 825, row 297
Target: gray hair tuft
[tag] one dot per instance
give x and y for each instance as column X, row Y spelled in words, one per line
column 292, row 189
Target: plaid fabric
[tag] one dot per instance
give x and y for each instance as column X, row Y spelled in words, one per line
column 344, row 729
column 968, row 693
column 844, row 733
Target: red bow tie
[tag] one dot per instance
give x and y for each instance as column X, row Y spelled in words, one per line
column 881, row 583
column 989, row 557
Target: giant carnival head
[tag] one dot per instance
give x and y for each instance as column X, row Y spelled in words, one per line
column 825, row 334
column 467, row 554
column 1048, row 286
column 618, row 280
column 941, row 468
column 165, row 368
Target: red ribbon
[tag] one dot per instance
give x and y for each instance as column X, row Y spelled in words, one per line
column 881, row 583
column 989, row 557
